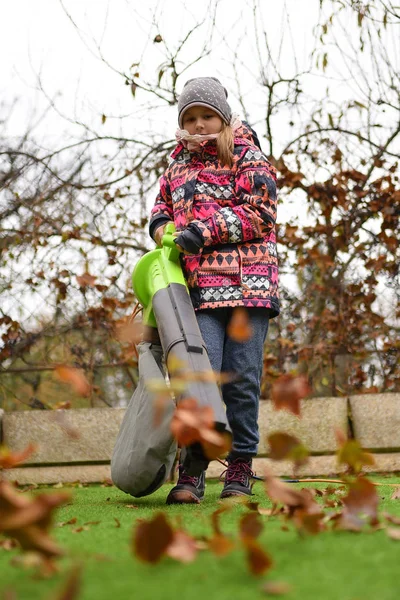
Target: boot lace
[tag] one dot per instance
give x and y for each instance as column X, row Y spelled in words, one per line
column 238, row 470
column 184, row 478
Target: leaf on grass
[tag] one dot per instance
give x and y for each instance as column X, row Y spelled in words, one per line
column 70, row 522
column 283, row 446
column 250, row 526
column 351, row 453
column 117, row 522
column 396, row 494
column 391, row 518
column 239, row 328
column 393, row 533
column 29, row 520
column 9, row 460
column 151, row 538
column 276, row 588
column 258, row 560
column 183, row 547
column 75, row 377
column 287, row 391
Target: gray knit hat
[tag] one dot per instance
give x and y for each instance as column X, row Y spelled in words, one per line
column 204, row 91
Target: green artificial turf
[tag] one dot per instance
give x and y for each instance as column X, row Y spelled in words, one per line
column 332, row 565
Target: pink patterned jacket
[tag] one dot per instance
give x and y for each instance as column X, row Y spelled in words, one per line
column 233, row 213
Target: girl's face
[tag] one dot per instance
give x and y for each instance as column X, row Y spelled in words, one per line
column 201, row 120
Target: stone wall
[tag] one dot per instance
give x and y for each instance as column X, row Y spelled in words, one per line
column 76, row 445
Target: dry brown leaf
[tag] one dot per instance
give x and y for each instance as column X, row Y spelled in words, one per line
column 183, row 547
column 193, row 423
column 151, row 538
column 215, row 518
column 9, row 460
column 287, row 391
column 117, row 522
column 221, row 545
column 393, row 533
column 86, row 280
column 258, row 560
column 128, row 331
column 250, row 526
column 276, row 588
column 75, row 377
column 351, row 453
column 396, row 494
column 360, row 503
column 29, row 520
column 59, row 417
column 239, row 328
column 391, row 518
column 72, row 586
column 70, row 522
column 283, row 446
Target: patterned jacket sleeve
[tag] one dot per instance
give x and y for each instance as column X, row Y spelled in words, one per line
column 162, row 211
column 255, row 213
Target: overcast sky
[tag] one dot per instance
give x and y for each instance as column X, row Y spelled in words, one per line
column 39, row 39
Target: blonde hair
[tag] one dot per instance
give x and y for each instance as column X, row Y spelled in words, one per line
column 225, row 145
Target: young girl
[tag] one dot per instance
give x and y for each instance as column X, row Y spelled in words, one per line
column 220, row 192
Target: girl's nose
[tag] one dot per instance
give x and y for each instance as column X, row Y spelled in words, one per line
column 199, row 125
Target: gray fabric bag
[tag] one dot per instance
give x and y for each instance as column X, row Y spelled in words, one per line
column 144, row 453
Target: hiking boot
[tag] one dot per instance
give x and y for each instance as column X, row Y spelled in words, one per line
column 237, row 478
column 188, row 490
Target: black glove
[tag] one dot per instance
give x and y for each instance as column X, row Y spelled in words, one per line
column 190, row 239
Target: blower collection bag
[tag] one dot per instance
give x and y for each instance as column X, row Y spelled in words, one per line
column 144, row 451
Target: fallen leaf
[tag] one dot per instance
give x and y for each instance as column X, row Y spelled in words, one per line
column 220, row 545
column 86, row 280
column 239, row 328
column 128, row 331
column 258, row 560
column 61, row 419
column 151, row 538
column 276, row 588
column 9, row 460
column 117, row 522
column 351, row 453
column 72, row 586
column 391, row 518
column 192, row 423
column 70, row 522
column 75, row 377
column 29, row 520
column 250, row 526
column 396, row 494
column 360, row 503
column 287, row 391
column 393, row 533
column 283, row 446
column 183, row 547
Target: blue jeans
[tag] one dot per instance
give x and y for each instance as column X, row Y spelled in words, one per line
column 246, row 361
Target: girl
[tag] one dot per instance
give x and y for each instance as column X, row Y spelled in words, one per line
column 220, row 192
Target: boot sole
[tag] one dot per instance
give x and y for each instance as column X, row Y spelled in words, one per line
column 182, row 497
column 231, row 494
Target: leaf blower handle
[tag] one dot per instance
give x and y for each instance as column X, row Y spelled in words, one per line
column 168, row 243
